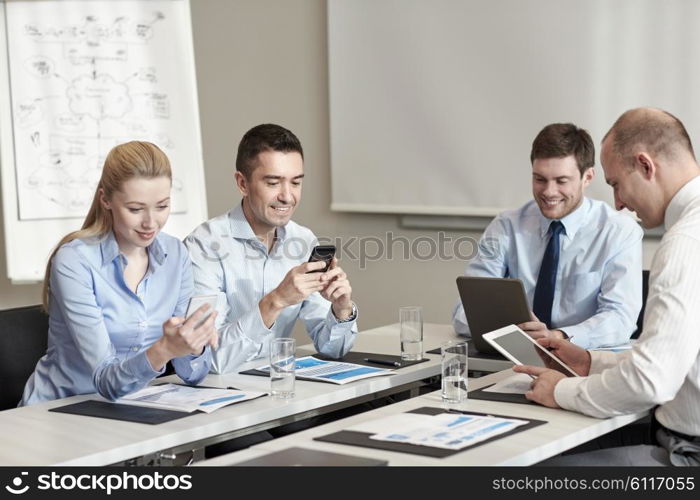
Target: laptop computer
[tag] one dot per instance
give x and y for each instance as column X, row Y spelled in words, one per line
column 296, row 456
column 490, row 304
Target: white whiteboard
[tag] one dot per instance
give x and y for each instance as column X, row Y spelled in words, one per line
column 434, row 104
column 79, row 77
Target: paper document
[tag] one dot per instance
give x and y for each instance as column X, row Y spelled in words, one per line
column 615, row 348
column 336, row 372
column 187, row 398
column 446, row 430
column 515, row 384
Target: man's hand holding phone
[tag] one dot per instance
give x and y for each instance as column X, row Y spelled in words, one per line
column 337, row 290
column 320, row 274
column 300, row 282
column 305, row 279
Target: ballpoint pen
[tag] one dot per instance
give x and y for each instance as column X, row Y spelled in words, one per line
column 383, row 362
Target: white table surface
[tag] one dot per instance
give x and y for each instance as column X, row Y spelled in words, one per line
column 34, row 436
column 563, row 430
column 385, row 340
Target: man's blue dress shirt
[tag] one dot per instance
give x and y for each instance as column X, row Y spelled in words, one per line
column 230, row 261
column 598, row 292
column 99, row 329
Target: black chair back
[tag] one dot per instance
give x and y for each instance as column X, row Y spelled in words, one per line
column 23, row 341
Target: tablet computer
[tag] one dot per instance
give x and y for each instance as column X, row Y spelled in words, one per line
column 522, row 349
column 490, row 304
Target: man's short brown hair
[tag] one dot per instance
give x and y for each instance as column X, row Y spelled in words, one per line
column 559, row 140
column 265, row 137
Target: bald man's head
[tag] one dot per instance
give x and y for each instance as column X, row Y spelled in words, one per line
column 647, row 157
column 654, row 131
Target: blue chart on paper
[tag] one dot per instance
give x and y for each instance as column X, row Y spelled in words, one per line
column 332, row 370
column 309, row 363
column 351, row 373
column 221, row 400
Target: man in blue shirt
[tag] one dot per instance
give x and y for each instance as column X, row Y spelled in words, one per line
column 580, row 261
column 255, row 258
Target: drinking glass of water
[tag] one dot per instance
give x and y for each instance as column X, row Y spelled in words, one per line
column 454, row 371
column 411, row 320
column 282, row 364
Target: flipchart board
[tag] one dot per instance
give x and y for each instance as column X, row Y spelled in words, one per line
column 78, row 77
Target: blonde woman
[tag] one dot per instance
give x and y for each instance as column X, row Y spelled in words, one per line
column 117, row 289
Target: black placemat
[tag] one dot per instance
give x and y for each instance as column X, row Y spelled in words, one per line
column 359, row 359
column 362, row 439
column 473, row 352
column 116, row 411
column 498, row 396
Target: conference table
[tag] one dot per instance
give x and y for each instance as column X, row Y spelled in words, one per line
column 34, row 436
column 562, row 431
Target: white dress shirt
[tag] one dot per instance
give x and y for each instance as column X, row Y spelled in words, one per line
column 230, row 261
column 663, row 366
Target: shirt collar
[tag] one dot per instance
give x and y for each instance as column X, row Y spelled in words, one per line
column 572, row 222
column 241, row 229
column 110, row 250
column 680, row 200
column 157, row 250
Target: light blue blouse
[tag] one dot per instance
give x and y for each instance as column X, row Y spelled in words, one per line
column 99, row 329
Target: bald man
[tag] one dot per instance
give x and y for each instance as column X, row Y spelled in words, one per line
column 649, row 162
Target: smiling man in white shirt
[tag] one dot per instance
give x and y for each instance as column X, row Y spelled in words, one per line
column 255, row 258
column 649, row 162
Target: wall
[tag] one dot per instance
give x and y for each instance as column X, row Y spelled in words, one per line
column 265, row 61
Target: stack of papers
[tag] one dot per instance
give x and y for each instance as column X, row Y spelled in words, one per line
column 336, row 372
column 446, row 430
column 187, row 398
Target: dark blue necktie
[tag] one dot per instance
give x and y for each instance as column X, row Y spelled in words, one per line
column 547, row 279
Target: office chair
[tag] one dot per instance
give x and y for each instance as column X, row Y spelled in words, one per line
column 23, row 340
column 645, row 292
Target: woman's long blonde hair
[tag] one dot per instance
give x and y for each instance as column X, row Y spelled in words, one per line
column 125, row 161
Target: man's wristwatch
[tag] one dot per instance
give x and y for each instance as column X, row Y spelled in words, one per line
column 352, row 317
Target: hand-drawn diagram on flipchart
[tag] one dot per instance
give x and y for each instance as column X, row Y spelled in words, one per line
column 84, row 79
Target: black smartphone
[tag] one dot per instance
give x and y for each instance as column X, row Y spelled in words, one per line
column 323, row 253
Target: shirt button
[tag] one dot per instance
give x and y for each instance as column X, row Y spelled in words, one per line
column 143, row 325
column 135, row 348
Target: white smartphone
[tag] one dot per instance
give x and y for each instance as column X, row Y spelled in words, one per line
column 198, row 301
column 522, row 349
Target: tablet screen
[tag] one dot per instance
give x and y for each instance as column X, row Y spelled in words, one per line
column 526, row 352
